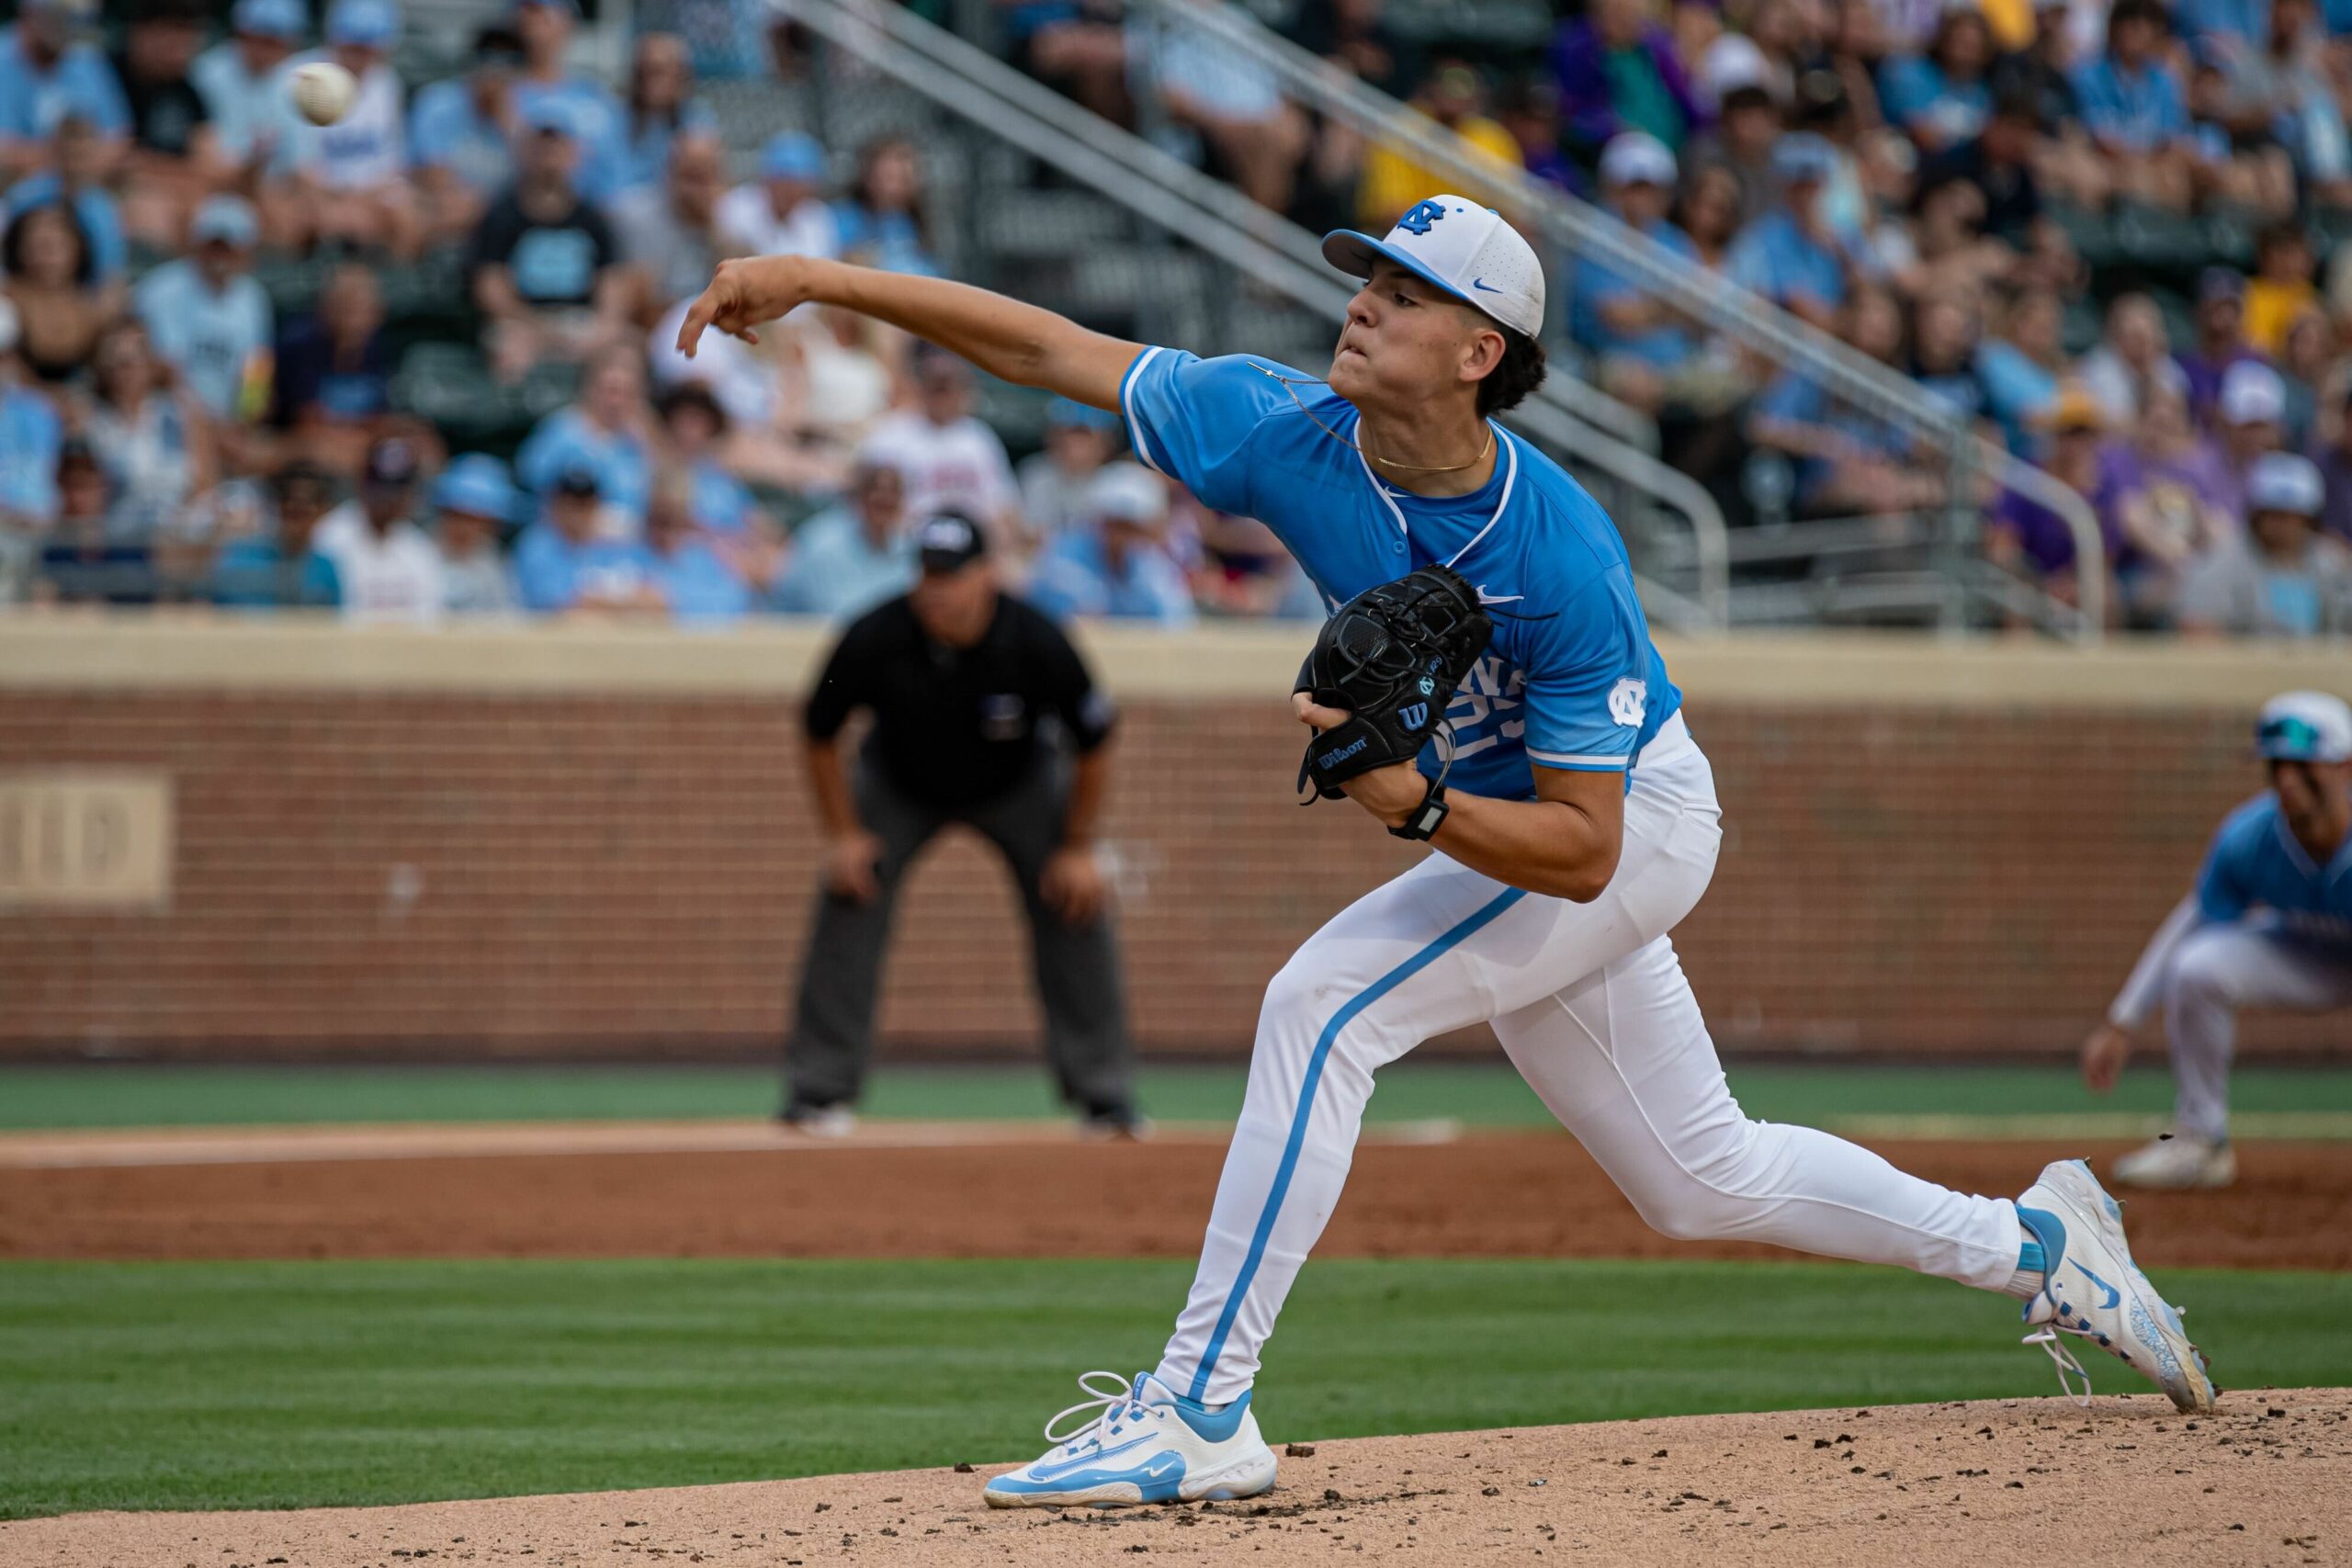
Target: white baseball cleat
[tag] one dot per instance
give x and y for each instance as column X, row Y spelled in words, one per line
column 2177, row 1162
column 2091, row 1289
column 1147, row 1445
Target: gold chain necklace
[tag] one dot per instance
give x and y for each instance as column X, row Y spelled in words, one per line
column 1357, row 447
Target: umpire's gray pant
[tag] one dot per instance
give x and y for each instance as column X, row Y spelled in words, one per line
column 2216, row 972
column 1077, row 965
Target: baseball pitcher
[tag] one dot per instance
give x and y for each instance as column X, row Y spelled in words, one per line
column 1572, row 813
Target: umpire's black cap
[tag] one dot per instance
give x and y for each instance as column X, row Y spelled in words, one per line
column 950, row 542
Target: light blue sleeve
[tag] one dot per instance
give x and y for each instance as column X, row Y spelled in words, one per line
column 1750, row 264
column 1586, row 702
column 435, row 122
column 2094, row 96
column 157, row 299
column 541, row 457
column 2223, row 887
column 542, row 570
column 1172, row 595
column 100, row 94
column 2172, row 110
column 1193, row 418
column 1908, row 88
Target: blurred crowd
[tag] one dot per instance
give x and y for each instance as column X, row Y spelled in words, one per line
column 1923, row 178
column 167, row 436
column 1911, row 176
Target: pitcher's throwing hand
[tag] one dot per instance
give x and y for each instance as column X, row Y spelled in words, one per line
column 743, row 293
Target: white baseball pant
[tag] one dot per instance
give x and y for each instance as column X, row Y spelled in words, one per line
column 1591, row 1003
column 2216, row 971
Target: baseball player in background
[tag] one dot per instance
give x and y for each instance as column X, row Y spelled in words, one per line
column 2268, row 925
column 1576, row 829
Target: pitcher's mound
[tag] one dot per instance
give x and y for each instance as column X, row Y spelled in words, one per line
column 2268, row 1480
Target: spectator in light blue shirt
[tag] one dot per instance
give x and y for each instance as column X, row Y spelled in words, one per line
column 2132, row 104
column 597, row 124
column 854, row 554
column 208, row 317
column 1790, row 256
column 602, row 432
column 1113, row 565
column 1639, row 341
column 662, row 106
column 46, row 74
column 78, row 181
column 1941, row 97
column 562, row 564
column 694, row 579
column 461, row 135
column 476, row 504
column 234, row 76
column 29, row 436
column 880, row 222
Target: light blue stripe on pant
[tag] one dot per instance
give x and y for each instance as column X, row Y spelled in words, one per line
column 1299, row 1119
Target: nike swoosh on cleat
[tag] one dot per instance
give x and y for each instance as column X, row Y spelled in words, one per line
column 1042, row 1472
column 2113, row 1295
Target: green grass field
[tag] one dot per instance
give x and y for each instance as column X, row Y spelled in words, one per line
column 1481, row 1094
column 280, row 1384
column 283, row 1384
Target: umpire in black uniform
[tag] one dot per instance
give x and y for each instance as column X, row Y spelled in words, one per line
column 962, row 680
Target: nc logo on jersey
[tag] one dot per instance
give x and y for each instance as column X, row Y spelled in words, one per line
column 1628, row 699
column 1418, row 219
column 1415, row 717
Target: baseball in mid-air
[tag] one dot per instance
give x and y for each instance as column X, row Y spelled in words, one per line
column 322, row 91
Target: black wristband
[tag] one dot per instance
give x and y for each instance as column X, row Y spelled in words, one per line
column 1424, row 818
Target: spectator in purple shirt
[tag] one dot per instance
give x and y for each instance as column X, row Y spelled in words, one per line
column 2029, row 537
column 2335, row 469
column 1618, row 71
column 2220, row 339
column 2172, row 499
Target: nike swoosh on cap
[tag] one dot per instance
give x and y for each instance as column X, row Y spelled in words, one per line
column 1482, row 283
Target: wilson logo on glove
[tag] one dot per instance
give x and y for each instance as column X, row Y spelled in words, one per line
column 1385, row 658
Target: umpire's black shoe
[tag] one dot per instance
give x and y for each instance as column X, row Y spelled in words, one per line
column 817, row 1121
column 1113, row 1124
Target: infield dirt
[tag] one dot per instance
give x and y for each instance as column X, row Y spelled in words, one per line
column 1485, row 1195
column 2265, row 1480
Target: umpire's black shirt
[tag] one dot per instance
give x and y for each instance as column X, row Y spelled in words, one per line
column 954, row 727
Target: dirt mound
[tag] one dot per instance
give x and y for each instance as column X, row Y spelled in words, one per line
column 2292, row 1208
column 2268, row 1480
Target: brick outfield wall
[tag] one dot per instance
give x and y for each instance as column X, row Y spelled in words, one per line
column 534, row 875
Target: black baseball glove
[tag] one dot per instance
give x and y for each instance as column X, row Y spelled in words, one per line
column 1391, row 657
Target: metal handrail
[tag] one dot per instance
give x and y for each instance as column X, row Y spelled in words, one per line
column 1172, row 194
column 1706, row 298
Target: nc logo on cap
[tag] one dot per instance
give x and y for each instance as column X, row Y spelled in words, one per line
column 1418, row 219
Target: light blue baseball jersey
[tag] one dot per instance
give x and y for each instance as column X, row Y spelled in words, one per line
column 1571, row 678
column 214, row 339
column 2257, row 867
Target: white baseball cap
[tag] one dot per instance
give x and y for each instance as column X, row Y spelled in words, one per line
column 1733, row 61
column 1636, row 158
column 2282, row 481
column 2252, row 394
column 1127, row 492
column 2305, row 726
column 1463, row 248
